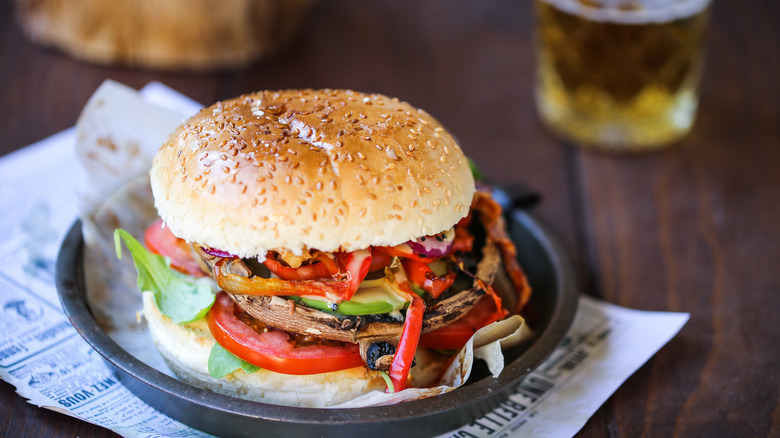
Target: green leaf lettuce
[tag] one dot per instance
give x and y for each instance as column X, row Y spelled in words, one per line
column 180, row 297
column 222, row 362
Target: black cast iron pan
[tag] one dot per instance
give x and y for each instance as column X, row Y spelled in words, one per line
column 554, row 300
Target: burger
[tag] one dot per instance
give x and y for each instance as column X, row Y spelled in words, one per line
column 315, row 245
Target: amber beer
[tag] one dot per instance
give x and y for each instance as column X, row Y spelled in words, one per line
column 621, row 77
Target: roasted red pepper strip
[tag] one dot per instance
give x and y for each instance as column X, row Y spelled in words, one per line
column 379, row 259
column 335, row 290
column 405, row 252
column 407, row 346
column 323, row 268
column 355, row 264
column 423, row 276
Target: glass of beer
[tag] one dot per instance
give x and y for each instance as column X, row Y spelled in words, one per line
column 619, row 75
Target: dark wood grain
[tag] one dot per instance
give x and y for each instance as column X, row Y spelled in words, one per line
column 695, row 228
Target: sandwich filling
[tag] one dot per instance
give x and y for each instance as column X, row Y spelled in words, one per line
column 319, row 311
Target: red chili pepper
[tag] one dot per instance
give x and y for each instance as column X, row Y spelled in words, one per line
column 423, row 276
column 407, row 346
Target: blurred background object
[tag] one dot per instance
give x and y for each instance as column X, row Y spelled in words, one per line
column 166, row 35
column 619, row 76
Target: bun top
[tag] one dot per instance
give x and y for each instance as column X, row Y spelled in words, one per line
column 316, row 169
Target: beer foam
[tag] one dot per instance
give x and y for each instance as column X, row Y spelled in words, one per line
column 641, row 12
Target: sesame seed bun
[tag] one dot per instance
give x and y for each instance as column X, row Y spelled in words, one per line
column 316, row 169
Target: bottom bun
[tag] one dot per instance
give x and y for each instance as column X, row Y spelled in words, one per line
column 186, row 348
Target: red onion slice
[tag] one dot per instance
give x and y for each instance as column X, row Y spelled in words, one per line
column 437, row 245
column 217, row 252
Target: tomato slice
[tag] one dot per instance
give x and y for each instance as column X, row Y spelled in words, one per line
column 454, row 336
column 159, row 240
column 423, row 276
column 324, row 267
column 272, row 350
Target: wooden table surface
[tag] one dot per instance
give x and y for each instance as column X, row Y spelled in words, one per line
column 694, row 228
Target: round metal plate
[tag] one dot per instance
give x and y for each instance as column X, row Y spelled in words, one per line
column 554, row 302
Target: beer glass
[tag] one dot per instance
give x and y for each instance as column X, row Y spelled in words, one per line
column 619, row 75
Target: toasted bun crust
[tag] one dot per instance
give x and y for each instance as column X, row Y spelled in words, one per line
column 186, row 348
column 318, row 169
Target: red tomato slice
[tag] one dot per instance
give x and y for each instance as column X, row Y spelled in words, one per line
column 159, row 240
column 454, row 336
column 272, row 350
